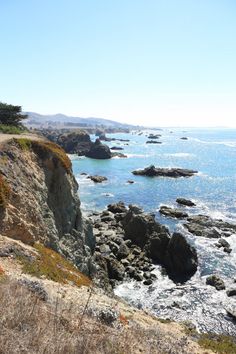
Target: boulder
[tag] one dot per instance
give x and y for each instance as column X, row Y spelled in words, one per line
column 186, row 202
column 216, row 281
column 157, row 246
column 138, row 227
column 115, row 269
column 181, row 259
column 97, row 179
column 173, row 212
column 117, row 208
column 231, row 292
column 99, row 151
column 123, row 251
column 153, row 171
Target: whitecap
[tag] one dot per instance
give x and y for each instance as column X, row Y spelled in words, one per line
column 109, row 195
column 180, row 154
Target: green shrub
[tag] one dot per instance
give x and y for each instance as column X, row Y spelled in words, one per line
column 10, row 129
column 218, row 343
column 53, row 266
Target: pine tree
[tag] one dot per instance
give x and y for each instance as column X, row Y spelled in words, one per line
column 11, row 115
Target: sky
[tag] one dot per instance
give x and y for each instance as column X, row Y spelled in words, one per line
column 147, row 62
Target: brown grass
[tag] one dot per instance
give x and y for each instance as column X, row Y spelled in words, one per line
column 31, row 326
column 4, row 192
column 53, row 266
column 44, row 150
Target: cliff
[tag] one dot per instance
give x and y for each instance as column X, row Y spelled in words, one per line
column 47, row 305
column 40, row 200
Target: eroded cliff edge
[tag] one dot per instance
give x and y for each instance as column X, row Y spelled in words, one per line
column 39, row 200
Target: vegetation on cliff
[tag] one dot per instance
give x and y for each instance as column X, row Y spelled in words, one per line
column 43, row 149
column 53, row 266
column 4, row 192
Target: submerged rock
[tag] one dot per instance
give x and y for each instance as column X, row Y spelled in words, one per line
column 173, row 212
column 116, row 148
column 118, row 154
column 153, row 142
column 153, row 171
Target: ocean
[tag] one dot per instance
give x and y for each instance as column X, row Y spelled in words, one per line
column 212, row 152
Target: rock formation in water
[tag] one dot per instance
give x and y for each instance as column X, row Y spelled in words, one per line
column 99, row 151
column 153, row 171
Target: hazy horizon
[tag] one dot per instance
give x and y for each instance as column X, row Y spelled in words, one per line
column 152, row 63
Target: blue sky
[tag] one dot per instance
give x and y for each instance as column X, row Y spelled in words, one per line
column 155, row 62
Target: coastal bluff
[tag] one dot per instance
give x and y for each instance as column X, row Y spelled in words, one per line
column 39, row 200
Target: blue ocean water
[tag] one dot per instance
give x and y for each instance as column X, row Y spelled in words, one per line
column 212, row 152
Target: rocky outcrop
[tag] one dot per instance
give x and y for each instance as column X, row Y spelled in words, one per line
column 133, row 239
column 99, row 151
column 75, row 142
column 153, row 142
column 153, row 171
column 181, row 258
column 173, row 212
column 97, row 179
column 185, row 202
column 43, row 204
column 117, row 148
column 203, row 225
column 222, row 243
column 154, row 136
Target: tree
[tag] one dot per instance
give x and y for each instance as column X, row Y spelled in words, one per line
column 11, row 115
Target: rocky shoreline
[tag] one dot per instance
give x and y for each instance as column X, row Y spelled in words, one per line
column 129, row 242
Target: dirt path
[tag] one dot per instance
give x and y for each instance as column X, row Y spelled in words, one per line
column 6, row 137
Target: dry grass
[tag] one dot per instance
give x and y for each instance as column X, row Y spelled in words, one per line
column 44, row 150
column 4, row 192
column 53, row 266
column 31, row 326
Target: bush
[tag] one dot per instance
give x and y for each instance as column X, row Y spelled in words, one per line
column 9, row 129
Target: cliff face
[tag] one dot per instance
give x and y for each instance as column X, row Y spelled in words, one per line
column 42, row 203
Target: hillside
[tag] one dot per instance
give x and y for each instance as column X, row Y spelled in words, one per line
column 62, row 119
